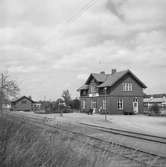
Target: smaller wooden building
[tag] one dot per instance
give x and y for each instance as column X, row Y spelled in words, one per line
column 24, row 104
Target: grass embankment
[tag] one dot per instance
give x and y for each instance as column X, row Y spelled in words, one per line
column 26, row 145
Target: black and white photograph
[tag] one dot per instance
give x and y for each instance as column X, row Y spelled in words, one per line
column 82, row 83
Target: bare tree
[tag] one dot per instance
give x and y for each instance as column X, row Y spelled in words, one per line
column 8, row 89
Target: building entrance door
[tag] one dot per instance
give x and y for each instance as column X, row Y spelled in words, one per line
column 135, row 105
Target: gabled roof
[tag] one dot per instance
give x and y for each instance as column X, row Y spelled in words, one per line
column 99, row 77
column 114, row 78
column 23, row 98
column 83, row 87
column 108, row 80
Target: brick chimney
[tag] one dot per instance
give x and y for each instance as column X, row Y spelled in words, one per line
column 113, row 71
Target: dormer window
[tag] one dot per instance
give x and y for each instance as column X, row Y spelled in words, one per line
column 84, row 92
column 93, row 89
column 127, row 87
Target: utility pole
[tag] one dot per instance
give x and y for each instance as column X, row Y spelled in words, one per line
column 61, row 108
column 1, row 98
column 105, row 89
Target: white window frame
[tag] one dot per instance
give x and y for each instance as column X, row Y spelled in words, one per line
column 124, row 86
column 120, row 104
column 130, row 86
column 83, row 104
column 127, row 86
column 92, row 89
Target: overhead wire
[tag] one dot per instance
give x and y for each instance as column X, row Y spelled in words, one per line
column 82, row 11
column 77, row 15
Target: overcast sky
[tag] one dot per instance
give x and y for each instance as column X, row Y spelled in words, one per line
column 47, row 47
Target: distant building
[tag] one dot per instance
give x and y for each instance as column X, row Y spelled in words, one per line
column 25, row 104
column 36, row 106
column 115, row 93
column 159, row 99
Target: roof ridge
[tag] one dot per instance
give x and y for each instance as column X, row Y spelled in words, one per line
column 113, row 78
column 22, row 98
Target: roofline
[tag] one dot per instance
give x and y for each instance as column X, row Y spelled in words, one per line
column 22, row 98
column 127, row 71
column 143, row 85
column 91, row 74
column 82, row 86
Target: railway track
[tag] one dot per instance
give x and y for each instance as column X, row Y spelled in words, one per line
column 141, row 157
column 136, row 135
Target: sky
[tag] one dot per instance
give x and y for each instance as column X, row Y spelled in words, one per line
column 48, row 46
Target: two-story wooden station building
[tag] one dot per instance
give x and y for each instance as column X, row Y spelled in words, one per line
column 115, row 93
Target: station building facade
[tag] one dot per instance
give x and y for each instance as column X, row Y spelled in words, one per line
column 115, row 93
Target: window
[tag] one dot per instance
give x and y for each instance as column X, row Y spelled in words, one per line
column 104, row 104
column 127, row 86
column 93, row 89
column 124, row 86
column 135, row 99
column 120, row 104
column 84, row 92
column 83, row 104
column 130, row 87
column 101, row 91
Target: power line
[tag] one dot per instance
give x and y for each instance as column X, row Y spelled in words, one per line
column 80, row 12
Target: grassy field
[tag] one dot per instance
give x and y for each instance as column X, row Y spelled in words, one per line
column 26, row 145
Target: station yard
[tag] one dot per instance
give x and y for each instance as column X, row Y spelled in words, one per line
column 135, row 123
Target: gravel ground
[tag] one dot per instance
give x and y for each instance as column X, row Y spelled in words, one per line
column 137, row 123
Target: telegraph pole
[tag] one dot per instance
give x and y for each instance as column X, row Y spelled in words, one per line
column 1, row 98
column 105, row 89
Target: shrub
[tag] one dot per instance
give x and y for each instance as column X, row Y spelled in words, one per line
column 155, row 109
